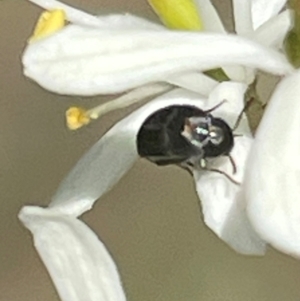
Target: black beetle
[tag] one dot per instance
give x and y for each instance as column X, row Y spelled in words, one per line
column 186, row 136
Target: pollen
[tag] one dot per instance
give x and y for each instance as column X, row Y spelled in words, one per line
column 48, row 23
column 76, row 118
column 178, row 14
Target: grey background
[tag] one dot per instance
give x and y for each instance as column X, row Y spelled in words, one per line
column 150, row 221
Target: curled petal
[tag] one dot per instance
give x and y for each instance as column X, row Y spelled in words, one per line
column 273, row 170
column 242, row 16
column 222, row 200
column 263, row 10
column 273, row 32
column 194, row 81
column 223, row 204
column 213, row 23
column 98, row 170
column 78, row 262
column 236, row 73
column 88, row 61
column 209, row 16
column 111, row 157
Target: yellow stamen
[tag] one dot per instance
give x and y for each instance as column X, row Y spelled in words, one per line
column 77, row 117
column 178, row 14
column 48, row 23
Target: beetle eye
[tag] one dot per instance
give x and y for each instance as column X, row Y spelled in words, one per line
column 196, row 130
column 201, row 132
column 216, row 135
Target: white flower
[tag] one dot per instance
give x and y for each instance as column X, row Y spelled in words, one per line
column 77, row 261
column 112, row 54
column 103, row 166
column 272, row 184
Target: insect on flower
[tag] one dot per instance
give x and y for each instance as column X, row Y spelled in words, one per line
column 186, row 136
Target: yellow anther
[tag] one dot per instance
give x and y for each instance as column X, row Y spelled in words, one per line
column 76, row 118
column 178, row 14
column 48, row 23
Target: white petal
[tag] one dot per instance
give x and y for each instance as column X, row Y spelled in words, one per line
column 86, row 61
column 222, row 202
column 98, row 170
column 77, row 261
column 224, row 206
column 263, row 10
column 209, row 16
column 111, row 157
column 273, row 171
column 213, row 23
column 242, row 16
column 273, row 32
column 127, row 21
column 236, row 73
column 194, row 81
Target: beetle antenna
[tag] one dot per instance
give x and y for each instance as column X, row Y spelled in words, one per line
column 245, row 108
column 215, row 107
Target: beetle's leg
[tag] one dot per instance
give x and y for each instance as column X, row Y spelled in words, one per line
column 203, row 165
column 234, row 169
column 224, row 174
column 187, row 166
column 193, row 163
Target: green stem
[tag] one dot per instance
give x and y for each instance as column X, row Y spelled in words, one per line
column 292, row 41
